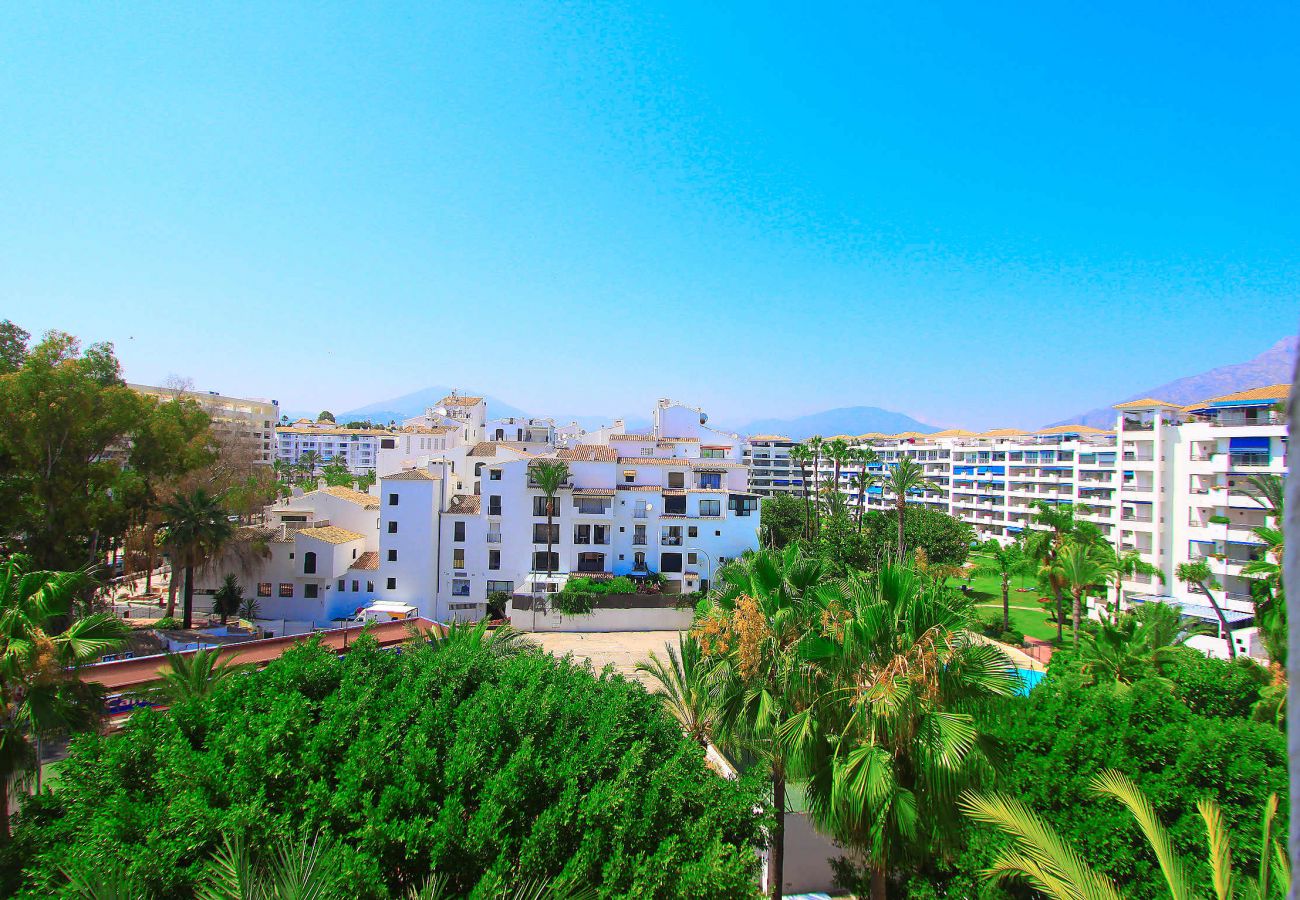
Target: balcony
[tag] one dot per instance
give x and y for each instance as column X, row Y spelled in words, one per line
column 1138, row 425
column 494, row 537
column 1135, row 517
column 670, row 540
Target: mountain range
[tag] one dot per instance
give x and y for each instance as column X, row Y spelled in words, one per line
column 1274, row 366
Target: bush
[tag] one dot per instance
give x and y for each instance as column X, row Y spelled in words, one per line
column 451, row 758
column 1012, row 637
column 168, row 622
column 1215, row 687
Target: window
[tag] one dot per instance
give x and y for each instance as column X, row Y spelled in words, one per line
column 340, row 584
column 710, row 480
column 494, row 475
column 370, row 587
column 286, row 590
column 647, row 451
column 392, row 556
column 692, row 531
column 539, row 533
column 629, row 476
column 309, row 563
column 458, row 531
column 675, row 506
column 392, row 528
column 692, row 558
column 591, row 506
column 540, row 562
column 355, row 586
column 388, row 443
column 582, row 534
column 392, row 584
column 710, row 507
column 591, row 562
column 638, row 561
column 458, row 558
column 677, row 479
column 713, row 452
column 460, row 587
column 392, row 499
column 542, row 504
column 494, row 505
column 494, row 559
column 264, row 589
column 638, row 534
column 502, row 587
column 478, row 470
column 670, row 562
column 311, row 591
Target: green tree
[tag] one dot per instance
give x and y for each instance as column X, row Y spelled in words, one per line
column 946, row 539
column 815, row 444
column 840, row 455
column 190, row 676
column 228, row 599
column 690, row 684
column 889, row 740
column 336, row 474
column 802, row 456
column 1127, row 646
column 366, row 480
column 754, row 624
column 39, row 691
column 197, row 528
column 866, row 458
column 1126, row 565
column 1004, row 563
column 1044, row 544
column 1197, row 574
column 550, row 476
column 308, row 462
column 325, row 416
column 1039, row 856
column 904, row 478
column 1080, row 569
column 493, row 770
column 781, row 520
column 13, row 346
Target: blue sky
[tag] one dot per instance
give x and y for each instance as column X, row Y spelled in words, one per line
column 982, row 214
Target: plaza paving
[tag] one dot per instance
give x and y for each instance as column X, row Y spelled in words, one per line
column 622, row 649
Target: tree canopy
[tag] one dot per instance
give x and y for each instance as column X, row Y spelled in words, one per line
column 490, row 765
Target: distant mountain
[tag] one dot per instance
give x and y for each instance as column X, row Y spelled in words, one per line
column 1274, row 366
column 848, row 420
column 415, row 403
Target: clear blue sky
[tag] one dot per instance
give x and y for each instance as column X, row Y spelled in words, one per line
column 979, row 215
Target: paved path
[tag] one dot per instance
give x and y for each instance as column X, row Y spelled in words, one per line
column 623, row 649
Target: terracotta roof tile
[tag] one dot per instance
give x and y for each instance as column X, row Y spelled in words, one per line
column 588, row 453
column 368, row 561
column 1145, row 402
column 768, row 437
column 631, row 437
column 593, row 492
column 640, row 487
column 1268, row 392
column 1074, row 429
column 455, row 400
column 360, row 498
column 465, row 505
column 412, row 475
column 331, row 534
column 653, row 461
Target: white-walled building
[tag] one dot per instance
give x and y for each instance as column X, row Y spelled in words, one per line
column 451, row 523
column 1169, row 482
column 245, row 423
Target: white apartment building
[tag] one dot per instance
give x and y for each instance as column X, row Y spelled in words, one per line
column 445, row 529
column 244, row 423
column 1168, row 482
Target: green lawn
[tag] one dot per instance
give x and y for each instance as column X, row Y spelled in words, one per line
column 1031, row 621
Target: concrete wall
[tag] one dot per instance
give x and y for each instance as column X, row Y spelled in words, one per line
column 643, row 616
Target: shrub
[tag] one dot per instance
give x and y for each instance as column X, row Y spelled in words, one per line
column 1220, row 520
column 168, row 622
column 1013, row 637
column 483, row 766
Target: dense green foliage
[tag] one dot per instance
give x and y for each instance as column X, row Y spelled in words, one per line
column 782, row 519
column 1070, row 730
column 487, row 765
column 945, row 539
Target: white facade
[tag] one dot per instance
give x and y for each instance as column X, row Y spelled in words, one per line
column 247, row 423
column 449, row 524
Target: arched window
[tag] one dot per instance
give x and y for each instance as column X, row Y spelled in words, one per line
column 309, row 563
column 638, row 561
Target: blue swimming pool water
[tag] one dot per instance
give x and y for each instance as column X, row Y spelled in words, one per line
column 1028, row 680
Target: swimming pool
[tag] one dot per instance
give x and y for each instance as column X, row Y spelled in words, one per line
column 1029, row 679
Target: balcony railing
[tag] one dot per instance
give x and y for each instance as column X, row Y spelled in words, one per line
column 669, row 540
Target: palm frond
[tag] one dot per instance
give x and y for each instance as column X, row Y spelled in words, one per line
column 1220, row 851
column 1113, row 784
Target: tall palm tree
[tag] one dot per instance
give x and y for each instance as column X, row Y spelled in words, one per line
column 802, row 456
column 1125, row 565
column 550, row 476
column 308, row 462
column 1271, row 491
column 197, row 527
column 192, row 676
column 769, row 601
column 1004, row 563
column 888, row 737
column 1197, row 574
column 691, row 686
column 815, row 446
column 839, row 453
column 866, row 458
column 905, row 477
column 1039, row 856
column 1044, row 544
column 1081, row 569
column 39, row 691
column 366, row 480
column 1129, row 646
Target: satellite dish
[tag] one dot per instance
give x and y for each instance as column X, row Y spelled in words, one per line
column 704, row 417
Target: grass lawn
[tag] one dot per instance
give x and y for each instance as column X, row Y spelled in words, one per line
column 1031, row 620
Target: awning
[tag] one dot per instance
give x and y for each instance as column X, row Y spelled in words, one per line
column 1196, row 611
column 1248, row 443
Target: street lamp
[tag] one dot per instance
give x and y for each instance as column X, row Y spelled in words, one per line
column 706, row 556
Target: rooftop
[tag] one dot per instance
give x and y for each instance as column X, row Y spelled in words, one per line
column 588, row 453
column 1147, row 402
column 360, row 498
column 411, row 475
column 457, row 400
column 331, row 534
column 1073, row 429
column 465, row 505
column 368, row 561
column 1266, row 394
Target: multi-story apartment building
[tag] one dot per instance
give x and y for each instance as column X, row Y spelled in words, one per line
column 243, row 425
column 1169, row 482
column 444, row 530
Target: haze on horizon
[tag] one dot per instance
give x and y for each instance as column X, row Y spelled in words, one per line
column 980, row 216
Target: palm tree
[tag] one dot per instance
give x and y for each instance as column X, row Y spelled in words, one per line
column 802, row 455
column 815, row 447
column 192, row 676
column 1044, row 545
column 840, row 453
column 1197, row 574
column 228, row 598
column 1271, row 491
column 1125, row 565
column 308, row 463
column 905, row 477
column 887, row 736
column 550, row 476
column 197, row 527
column 365, row 480
column 39, row 691
column 1004, row 563
column 1129, row 646
column 866, row 457
column 769, row 601
column 690, row 685
column 1080, row 569
column 466, row 639
column 1039, row 856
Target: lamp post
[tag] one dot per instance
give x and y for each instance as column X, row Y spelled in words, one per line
column 706, row 556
